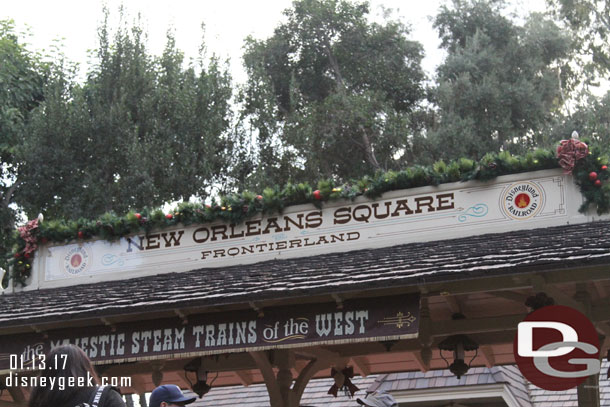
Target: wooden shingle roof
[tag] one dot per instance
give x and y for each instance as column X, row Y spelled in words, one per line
column 545, row 249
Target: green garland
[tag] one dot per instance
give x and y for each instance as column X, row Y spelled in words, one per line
column 236, row 208
column 595, row 194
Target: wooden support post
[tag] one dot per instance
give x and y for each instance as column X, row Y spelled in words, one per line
column 362, row 363
column 280, row 393
column 284, row 360
column 244, row 377
column 142, row 397
column 425, row 337
column 588, row 392
column 488, row 355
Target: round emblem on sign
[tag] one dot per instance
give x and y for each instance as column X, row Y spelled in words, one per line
column 522, row 200
column 76, row 260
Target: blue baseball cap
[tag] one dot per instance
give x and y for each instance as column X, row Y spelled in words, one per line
column 170, row 393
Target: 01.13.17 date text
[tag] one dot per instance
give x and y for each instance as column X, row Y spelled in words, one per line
column 38, row 362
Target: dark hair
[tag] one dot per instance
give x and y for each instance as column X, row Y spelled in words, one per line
column 75, row 364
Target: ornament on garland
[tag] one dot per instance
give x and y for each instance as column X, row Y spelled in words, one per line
column 317, row 194
column 570, row 151
column 343, row 382
column 595, row 177
column 169, row 216
column 138, row 216
column 81, row 235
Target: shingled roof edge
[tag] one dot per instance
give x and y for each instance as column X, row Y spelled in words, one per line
column 404, row 280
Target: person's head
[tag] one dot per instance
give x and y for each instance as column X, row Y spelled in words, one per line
column 378, row 399
column 61, row 363
column 168, row 395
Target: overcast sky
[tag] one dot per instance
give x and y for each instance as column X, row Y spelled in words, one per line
column 227, row 23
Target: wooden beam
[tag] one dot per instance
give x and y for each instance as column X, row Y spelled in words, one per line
column 419, row 361
column 488, row 355
column 305, row 376
column 511, row 296
column 244, row 377
column 299, row 364
column 362, row 364
column 257, row 308
column 562, row 299
column 138, row 384
column 477, row 325
column 453, row 303
column 601, row 290
column 182, row 315
column 318, row 352
column 262, row 361
column 599, row 312
column 108, row 323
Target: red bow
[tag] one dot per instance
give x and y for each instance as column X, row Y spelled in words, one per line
column 570, row 151
column 28, row 234
column 343, row 382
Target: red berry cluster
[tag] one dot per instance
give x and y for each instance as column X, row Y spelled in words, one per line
column 594, row 176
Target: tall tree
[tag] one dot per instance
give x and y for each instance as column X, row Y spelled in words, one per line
column 331, row 94
column 22, row 76
column 589, row 22
column 140, row 131
column 501, row 84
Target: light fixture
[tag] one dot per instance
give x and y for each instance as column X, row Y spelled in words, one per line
column 459, row 345
column 200, row 387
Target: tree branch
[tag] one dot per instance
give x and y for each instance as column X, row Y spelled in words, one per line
column 6, row 199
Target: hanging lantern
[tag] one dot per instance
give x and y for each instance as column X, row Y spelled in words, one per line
column 200, row 387
column 459, row 345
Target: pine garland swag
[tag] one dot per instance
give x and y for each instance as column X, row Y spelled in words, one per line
column 236, row 208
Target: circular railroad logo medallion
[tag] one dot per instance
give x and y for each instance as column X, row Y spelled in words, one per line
column 522, row 200
column 76, row 260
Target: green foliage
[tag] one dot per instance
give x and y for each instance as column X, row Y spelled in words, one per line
column 589, row 23
column 140, row 131
column 591, row 117
column 501, row 84
column 22, row 76
column 238, row 207
column 330, row 95
column 597, row 197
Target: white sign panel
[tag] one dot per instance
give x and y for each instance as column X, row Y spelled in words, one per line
column 416, row 215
